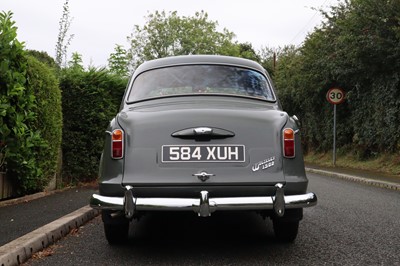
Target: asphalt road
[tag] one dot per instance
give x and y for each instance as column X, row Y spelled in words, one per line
column 19, row 219
column 353, row 224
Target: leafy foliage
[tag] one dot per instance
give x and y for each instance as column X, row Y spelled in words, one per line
column 90, row 100
column 356, row 48
column 63, row 40
column 246, row 50
column 76, row 62
column 42, row 82
column 20, row 140
column 118, row 61
column 43, row 57
column 169, row 34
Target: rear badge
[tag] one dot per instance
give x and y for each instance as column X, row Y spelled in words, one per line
column 265, row 164
column 203, row 176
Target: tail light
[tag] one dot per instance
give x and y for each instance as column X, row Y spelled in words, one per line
column 288, row 143
column 117, row 144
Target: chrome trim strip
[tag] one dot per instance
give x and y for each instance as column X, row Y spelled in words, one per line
column 107, row 203
column 198, row 205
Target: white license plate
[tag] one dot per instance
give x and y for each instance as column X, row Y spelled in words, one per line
column 202, row 153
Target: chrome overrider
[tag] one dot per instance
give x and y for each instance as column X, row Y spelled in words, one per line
column 204, row 205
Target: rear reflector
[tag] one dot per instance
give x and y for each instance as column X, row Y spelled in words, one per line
column 117, row 144
column 288, row 143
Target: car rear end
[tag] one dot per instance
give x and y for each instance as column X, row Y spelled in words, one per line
column 202, row 152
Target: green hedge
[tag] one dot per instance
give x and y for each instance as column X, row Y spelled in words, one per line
column 26, row 100
column 43, row 83
column 90, row 100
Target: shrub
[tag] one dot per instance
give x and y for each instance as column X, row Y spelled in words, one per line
column 89, row 100
column 45, row 58
column 43, row 83
column 21, row 142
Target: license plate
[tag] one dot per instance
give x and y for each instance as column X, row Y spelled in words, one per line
column 202, row 153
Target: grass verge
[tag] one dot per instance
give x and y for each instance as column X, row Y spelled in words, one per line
column 384, row 163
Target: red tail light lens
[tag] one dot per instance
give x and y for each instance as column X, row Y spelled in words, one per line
column 288, row 143
column 117, row 144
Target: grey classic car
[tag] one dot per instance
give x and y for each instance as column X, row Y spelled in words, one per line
column 202, row 133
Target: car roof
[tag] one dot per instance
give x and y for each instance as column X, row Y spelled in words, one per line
column 198, row 59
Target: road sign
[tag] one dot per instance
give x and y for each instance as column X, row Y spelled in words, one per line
column 335, row 95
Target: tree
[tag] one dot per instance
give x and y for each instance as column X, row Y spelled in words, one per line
column 288, row 78
column 63, row 40
column 76, row 61
column 247, row 51
column 169, row 34
column 356, row 48
column 118, row 61
column 267, row 58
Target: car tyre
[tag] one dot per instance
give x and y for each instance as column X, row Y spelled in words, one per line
column 116, row 234
column 285, row 231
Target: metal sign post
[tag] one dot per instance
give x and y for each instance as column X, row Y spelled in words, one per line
column 335, row 96
column 334, row 135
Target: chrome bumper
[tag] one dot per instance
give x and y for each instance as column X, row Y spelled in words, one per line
column 203, row 205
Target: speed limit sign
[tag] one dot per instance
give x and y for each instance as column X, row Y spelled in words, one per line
column 335, row 96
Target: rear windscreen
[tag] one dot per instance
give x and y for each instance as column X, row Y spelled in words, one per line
column 200, row 79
